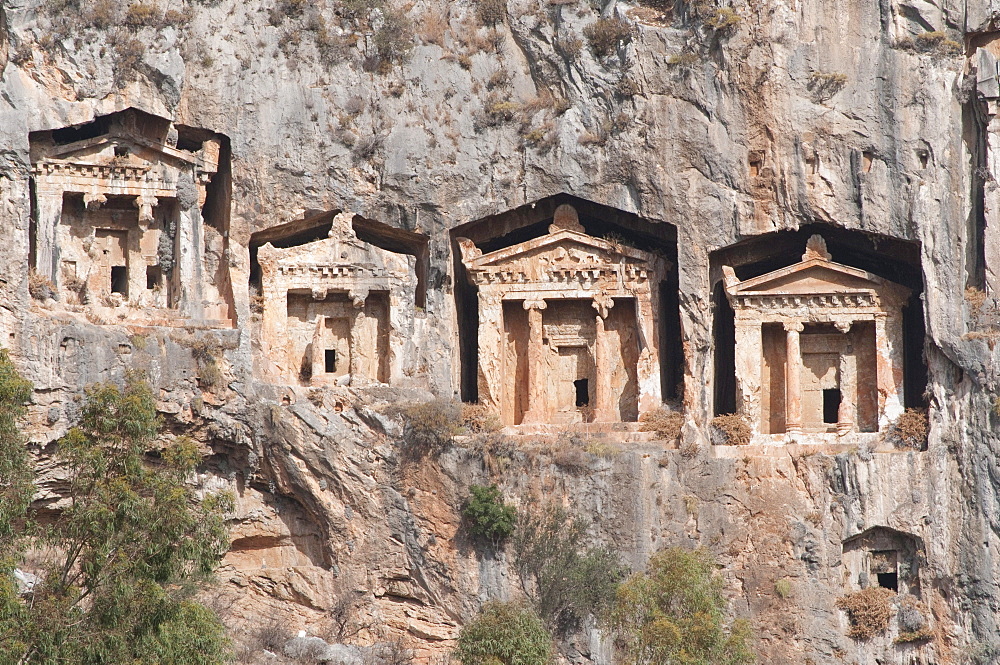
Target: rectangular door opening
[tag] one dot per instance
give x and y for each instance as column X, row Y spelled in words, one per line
column 330, row 361
column 888, row 581
column 831, row 405
column 582, row 392
column 154, row 277
column 119, row 280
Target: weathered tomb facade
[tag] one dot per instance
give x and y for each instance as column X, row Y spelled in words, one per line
column 883, row 557
column 818, row 347
column 118, row 221
column 337, row 310
column 568, row 326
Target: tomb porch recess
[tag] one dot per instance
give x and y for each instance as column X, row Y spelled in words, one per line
column 569, row 327
column 819, row 347
column 336, row 310
column 129, row 192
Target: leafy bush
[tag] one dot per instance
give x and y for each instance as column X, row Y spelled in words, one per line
column 141, row 14
column 490, row 519
column 430, row 426
column 733, row 429
column 606, row 34
column 935, row 42
column 868, row 611
column 666, row 423
column 723, row 19
column 783, row 588
column 566, row 579
column 673, row 613
column 504, row 634
column 118, row 566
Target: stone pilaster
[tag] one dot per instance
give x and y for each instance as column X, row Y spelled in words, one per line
column 793, row 378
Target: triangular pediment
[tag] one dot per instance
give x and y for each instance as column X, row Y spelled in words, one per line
column 561, row 247
column 100, row 151
column 808, row 277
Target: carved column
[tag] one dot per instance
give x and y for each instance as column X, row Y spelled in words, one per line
column 318, row 374
column 536, row 378
column 603, row 410
column 490, row 353
column 793, row 378
column 748, row 361
column 46, row 247
column 889, row 349
column 847, row 412
column 648, row 370
column 359, row 374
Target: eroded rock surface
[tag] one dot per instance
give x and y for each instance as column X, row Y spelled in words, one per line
column 872, row 124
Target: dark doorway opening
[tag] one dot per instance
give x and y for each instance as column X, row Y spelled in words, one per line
column 154, row 277
column 119, row 280
column 888, row 581
column 582, row 392
column 831, row 405
column 330, row 361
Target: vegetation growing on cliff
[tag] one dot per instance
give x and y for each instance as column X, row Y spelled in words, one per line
column 109, row 578
column 675, row 613
column 566, row 579
column 504, row 634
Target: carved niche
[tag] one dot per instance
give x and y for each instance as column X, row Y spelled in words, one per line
column 819, row 347
column 568, row 326
column 118, row 219
column 336, row 310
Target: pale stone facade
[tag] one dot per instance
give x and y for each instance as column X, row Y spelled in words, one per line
column 818, row 347
column 337, row 310
column 119, row 225
column 568, row 327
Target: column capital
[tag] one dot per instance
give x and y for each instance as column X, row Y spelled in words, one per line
column 843, row 326
column 793, row 326
column 537, row 303
column 603, row 304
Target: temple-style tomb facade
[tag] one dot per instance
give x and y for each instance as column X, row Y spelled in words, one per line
column 819, row 347
column 337, row 310
column 568, row 327
column 119, row 226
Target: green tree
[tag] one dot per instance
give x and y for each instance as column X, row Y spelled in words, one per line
column 504, row 634
column 116, row 567
column 490, row 519
column 673, row 614
column 566, row 579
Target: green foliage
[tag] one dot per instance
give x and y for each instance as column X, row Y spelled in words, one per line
column 16, row 487
column 490, row 519
column 118, row 566
column 504, row 634
column 566, row 579
column 935, row 43
column 673, row 613
column 783, row 588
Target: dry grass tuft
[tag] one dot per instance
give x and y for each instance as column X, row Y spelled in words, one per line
column 910, row 430
column 868, row 611
column 666, row 423
column 733, row 428
column 480, row 419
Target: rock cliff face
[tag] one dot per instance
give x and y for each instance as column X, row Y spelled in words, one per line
column 733, row 135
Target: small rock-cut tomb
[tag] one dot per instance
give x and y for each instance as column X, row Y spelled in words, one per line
column 114, row 211
column 568, row 327
column 336, row 309
column 818, row 347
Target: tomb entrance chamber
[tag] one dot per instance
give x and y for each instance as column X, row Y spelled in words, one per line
column 819, row 347
column 569, row 328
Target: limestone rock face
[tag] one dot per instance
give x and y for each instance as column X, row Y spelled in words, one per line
column 717, row 143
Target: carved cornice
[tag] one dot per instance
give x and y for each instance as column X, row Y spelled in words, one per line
column 564, row 275
column 101, row 171
column 771, row 302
